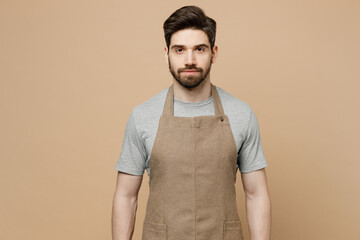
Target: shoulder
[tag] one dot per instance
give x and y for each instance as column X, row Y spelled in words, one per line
column 151, row 108
column 233, row 105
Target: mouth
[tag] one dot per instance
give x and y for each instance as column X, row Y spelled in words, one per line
column 189, row 72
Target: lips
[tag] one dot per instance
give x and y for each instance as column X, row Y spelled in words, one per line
column 190, row 72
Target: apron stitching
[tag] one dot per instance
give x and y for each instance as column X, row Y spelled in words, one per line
column 195, row 134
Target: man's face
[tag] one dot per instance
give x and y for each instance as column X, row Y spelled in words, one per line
column 190, row 57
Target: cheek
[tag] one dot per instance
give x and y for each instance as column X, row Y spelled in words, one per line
column 205, row 60
column 175, row 62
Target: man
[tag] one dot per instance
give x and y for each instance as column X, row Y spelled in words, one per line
column 193, row 136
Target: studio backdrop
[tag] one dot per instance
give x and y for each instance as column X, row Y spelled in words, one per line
column 72, row 71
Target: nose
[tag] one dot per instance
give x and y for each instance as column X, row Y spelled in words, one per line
column 190, row 58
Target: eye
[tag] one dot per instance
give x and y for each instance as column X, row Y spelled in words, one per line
column 179, row 50
column 200, row 49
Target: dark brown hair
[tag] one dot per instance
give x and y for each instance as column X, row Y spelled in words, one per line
column 189, row 17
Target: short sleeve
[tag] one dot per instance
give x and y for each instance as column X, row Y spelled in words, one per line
column 132, row 156
column 251, row 156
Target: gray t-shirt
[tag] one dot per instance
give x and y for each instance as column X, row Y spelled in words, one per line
column 142, row 125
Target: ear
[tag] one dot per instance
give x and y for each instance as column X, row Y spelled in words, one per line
column 214, row 54
column 166, row 55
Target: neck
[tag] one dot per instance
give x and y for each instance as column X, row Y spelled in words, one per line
column 197, row 94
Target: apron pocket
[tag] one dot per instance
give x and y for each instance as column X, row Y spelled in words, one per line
column 154, row 231
column 233, row 230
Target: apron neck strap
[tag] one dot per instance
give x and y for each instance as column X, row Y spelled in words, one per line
column 169, row 101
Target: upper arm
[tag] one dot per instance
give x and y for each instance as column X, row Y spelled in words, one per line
column 133, row 157
column 128, row 185
column 254, row 182
column 251, row 155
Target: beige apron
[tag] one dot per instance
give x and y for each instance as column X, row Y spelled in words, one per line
column 192, row 176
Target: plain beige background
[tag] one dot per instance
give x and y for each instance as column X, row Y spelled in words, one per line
column 71, row 72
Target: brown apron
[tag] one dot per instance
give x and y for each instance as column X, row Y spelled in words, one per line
column 192, row 178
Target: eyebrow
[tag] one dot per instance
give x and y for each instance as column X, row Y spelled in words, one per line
column 182, row 46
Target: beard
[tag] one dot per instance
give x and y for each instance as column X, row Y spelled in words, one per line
column 191, row 81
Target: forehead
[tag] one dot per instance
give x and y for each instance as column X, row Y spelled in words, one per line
column 190, row 37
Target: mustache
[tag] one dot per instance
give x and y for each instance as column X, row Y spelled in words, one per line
column 190, row 68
